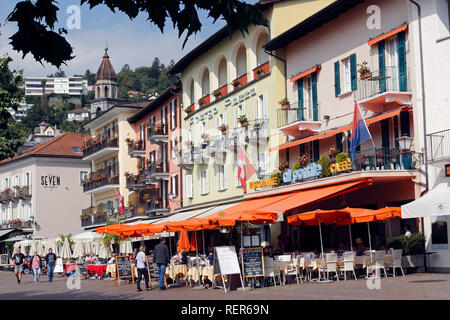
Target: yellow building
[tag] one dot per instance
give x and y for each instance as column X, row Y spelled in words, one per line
column 231, row 89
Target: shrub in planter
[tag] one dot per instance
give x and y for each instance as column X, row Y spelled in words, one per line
column 325, row 163
column 412, row 245
column 296, row 166
column 341, row 157
column 216, row 93
column 277, row 175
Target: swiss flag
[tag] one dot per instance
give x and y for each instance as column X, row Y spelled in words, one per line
column 119, row 197
column 245, row 168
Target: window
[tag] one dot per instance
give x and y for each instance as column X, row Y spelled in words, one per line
column 235, row 169
column 5, row 183
column 221, row 178
column 4, row 215
column 261, row 111
column 204, row 182
column 188, row 186
column 439, row 233
column 142, row 132
column 308, row 103
column 347, row 76
column 83, row 176
column 392, row 68
column 173, row 114
column 174, row 185
column 263, row 163
column 173, row 144
column 152, row 121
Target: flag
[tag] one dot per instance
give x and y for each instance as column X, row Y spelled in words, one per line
column 121, row 207
column 360, row 132
column 245, row 168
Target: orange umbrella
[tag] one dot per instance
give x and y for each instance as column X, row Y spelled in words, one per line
column 193, row 244
column 229, row 220
column 190, row 224
column 183, row 242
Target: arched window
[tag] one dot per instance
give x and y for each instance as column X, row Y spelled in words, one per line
column 222, row 72
column 98, row 92
column 205, row 82
column 241, row 61
column 106, row 92
column 261, row 56
column 191, row 92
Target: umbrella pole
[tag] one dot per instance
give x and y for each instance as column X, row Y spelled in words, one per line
column 389, row 225
column 203, row 240
column 351, row 238
column 370, row 242
column 321, row 248
column 198, row 263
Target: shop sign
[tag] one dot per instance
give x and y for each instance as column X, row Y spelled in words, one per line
column 447, row 170
column 311, row 171
column 271, row 182
column 202, row 116
column 50, row 181
column 240, row 98
column 341, row 166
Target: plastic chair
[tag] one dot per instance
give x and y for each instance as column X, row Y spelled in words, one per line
column 269, row 270
column 296, row 271
column 331, row 266
column 397, row 261
column 379, row 263
column 349, row 264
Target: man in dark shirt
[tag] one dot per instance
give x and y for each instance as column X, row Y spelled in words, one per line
column 161, row 258
column 18, row 260
column 50, row 261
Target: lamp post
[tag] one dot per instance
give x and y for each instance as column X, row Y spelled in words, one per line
column 405, row 143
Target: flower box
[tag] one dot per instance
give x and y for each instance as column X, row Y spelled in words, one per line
column 190, row 109
column 365, row 75
column 260, row 70
column 238, row 82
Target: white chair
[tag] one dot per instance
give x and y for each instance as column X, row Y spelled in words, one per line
column 331, row 266
column 268, row 270
column 379, row 264
column 295, row 271
column 349, row 264
column 397, row 261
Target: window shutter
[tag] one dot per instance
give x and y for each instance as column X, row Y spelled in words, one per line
column 199, row 181
column 216, row 171
column 225, row 176
column 236, row 180
column 207, row 181
column 255, row 105
column 404, row 122
column 235, row 116
column 264, row 106
column 176, row 186
column 188, row 186
column 244, row 111
column 339, row 146
column 402, row 60
column 353, row 72
column 316, row 152
column 337, row 79
column 382, row 66
column 314, row 96
column 300, row 99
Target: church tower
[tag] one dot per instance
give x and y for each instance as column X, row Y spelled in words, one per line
column 106, row 87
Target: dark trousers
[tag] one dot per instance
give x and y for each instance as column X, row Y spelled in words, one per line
column 50, row 269
column 142, row 272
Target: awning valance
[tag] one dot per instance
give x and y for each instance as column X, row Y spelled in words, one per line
column 435, row 203
column 387, row 35
column 333, row 132
column 305, row 73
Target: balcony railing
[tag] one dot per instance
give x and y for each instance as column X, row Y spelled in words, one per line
column 157, row 131
column 157, row 203
column 136, row 149
column 24, row 192
column 101, row 178
column 383, row 158
column 157, row 171
column 186, row 161
column 259, row 132
column 438, row 146
column 7, row 195
column 135, row 182
column 99, row 143
column 390, row 79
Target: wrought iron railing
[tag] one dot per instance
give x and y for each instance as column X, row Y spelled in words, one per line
column 438, row 145
column 158, row 130
column 98, row 143
column 389, row 79
column 101, row 178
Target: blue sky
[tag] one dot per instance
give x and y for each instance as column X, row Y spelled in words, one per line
column 134, row 42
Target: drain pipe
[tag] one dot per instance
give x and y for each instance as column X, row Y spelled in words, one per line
column 425, row 144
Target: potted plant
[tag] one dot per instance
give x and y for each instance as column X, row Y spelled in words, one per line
column 284, row 103
column 188, row 110
column 364, row 71
column 149, row 162
column 304, row 160
column 128, row 140
column 223, row 128
column 259, row 70
column 201, row 102
column 127, row 174
column 139, row 166
column 283, row 166
column 325, row 162
column 146, row 197
column 216, row 93
column 236, row 83
column 243, row 120
column 130, row 205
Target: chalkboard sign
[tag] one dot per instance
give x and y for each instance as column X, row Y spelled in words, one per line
column 123, row 267
column 3, row 259
column 253, row 262
column 152, row 271
column 82, row 270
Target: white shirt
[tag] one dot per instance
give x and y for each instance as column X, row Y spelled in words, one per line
column 140, row 260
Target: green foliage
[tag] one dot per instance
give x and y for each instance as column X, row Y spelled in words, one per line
column 36, row 21
column 341, row 157
column 296, row 166
column 412, row 245
column 10, row 92
column 325, row 163
column 63, row 238
column 90, row 77
column 111, row 238
column 277, row 175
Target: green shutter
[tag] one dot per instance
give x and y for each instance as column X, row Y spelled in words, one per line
column 300, row 99
column 339, row 145
column 314, row 96
column 404, row 124
column 316, row 151
column 353, row 72
column 385, row 141
column 337, row 79
column 401, row 61
column 382, row 66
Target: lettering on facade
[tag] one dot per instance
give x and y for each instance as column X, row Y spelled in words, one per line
column 50, row 181
column 271, row 182
column 202, row 116
column 311, row 171
column 341, row 166
column 242, row 96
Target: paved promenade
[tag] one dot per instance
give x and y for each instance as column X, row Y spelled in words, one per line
column 413, row 286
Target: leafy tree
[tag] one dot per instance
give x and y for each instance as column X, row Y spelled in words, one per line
column 36, row 21
column 60, row 73
column 11, row 138
column 90, row 77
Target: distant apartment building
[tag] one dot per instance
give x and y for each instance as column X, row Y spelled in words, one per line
column 21, row 111
column 41, row 188
column 38, row 86
column 79, row 114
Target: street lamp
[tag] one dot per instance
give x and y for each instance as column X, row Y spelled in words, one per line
column 405, row 143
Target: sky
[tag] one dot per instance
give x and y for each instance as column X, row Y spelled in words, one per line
column 135, row 42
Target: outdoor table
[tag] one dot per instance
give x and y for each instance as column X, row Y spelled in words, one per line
column 98, row 269
column 69, row 267
column 175, row 270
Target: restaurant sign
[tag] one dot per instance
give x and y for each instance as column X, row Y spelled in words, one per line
column 341, row 166
column 271, row 182
column 313, row 170
column 50, row 181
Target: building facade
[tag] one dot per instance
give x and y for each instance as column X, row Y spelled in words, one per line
column 80, row 114
column 41, row 189
column 38, row 86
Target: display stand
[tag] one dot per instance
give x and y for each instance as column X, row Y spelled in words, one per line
column 226, row 263
column 123, row 269
column 252, row 263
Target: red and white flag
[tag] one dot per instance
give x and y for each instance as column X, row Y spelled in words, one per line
column 119, row 197
column 245, row 168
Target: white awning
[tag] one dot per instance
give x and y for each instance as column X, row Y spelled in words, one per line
column 435, row 203
column 213, row 210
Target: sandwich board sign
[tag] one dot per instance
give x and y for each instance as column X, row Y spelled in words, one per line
column 226, row 263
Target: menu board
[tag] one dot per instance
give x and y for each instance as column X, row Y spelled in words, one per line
column 3, row 259
column 123, row 267
column 227, row 260
column 253, row 262
column 152, row 270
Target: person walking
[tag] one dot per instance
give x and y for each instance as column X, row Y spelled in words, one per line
column 50, row 261
column 36, row 266
column 18, row 260
column 142, row 269
column 161, row 258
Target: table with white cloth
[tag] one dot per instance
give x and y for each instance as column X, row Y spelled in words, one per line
column 203, row 271
column 175, row 270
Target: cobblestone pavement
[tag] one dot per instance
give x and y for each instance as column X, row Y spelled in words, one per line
column 413, row 286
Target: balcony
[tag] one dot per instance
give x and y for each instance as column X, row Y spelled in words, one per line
column 292, row 122
column 7, row 195
column 259, row 131
column 438, row 146
column 101, row 180
column 100, row 147
column 218, row 150
column 86, row 217
column 232, row 141
column 158, row 171
column 24, row 192
column 261, row 70
column 186, row 161
column 239, row 82
column 220, row 92
column 99, row 217
column 202, row 156
column 158, row 134
column 136, row 149
column 382, row 158
column 204, row 101
column 135, row 182
column 135, row 212
column 158, row 207
column 384, row 87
